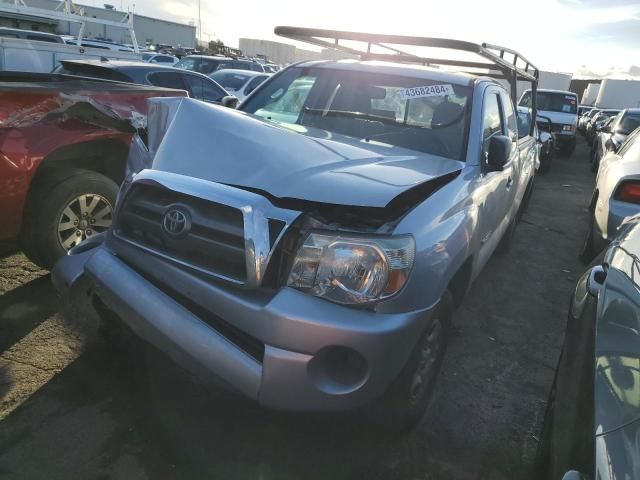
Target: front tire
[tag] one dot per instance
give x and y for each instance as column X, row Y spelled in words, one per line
column 404, row 404
column 65, row 206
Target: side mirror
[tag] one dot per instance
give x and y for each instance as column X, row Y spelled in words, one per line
column 229, row 101
column 498, row 152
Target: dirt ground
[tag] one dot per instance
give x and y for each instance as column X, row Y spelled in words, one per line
column 71, row 408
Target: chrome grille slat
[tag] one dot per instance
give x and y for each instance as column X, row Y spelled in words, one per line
column 232, row 234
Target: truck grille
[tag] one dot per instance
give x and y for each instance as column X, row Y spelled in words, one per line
column 201, row 233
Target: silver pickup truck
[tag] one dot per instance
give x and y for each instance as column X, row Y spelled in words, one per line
column 310, row 247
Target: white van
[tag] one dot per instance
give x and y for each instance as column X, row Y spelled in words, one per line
column 561, row 107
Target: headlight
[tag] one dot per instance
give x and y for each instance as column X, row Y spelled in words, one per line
column 568, row 128
column 352, row 269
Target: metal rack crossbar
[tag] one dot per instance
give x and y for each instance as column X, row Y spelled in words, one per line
column 499, row 62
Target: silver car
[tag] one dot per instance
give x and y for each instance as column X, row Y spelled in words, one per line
column 616, row 195
column 309, row 250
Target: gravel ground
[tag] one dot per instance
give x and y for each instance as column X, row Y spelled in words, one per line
column 71, row 408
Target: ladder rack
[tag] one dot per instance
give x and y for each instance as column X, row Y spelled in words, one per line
column 499, row 62
column 71, row 13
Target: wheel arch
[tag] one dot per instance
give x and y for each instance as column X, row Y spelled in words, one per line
column 460, row 282
column 105, row 156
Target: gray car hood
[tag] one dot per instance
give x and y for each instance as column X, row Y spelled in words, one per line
column 214, row 143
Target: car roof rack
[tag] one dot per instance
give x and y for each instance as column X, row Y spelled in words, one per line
column 499, row 62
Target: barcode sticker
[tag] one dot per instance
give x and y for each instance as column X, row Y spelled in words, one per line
column 427, row 91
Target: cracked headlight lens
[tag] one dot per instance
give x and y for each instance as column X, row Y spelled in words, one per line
column 352, row 269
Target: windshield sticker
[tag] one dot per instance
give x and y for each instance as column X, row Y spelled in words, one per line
column 427, row 91
column 566, row 108
column 569, row 97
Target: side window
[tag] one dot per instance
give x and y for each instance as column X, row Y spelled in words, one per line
column 525, row 101
column 524, row 123
column 207, row 67
column 491, row 120
column 255, row 81
column 204, row 89
column 510, row 117
column 167, row 80
column 187, row 64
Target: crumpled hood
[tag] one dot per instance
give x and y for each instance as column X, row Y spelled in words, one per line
column 226, row 146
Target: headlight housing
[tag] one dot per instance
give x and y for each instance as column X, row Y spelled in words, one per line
column 352, row 269
column 568, row 128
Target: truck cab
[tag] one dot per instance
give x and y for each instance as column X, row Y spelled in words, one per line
column 561, row 107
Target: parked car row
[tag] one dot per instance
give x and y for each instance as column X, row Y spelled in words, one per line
column 592, row 422
column 612, row 133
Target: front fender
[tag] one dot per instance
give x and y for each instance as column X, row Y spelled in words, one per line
column 444, row 241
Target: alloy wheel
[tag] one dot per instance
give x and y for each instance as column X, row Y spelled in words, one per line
column 83, row 217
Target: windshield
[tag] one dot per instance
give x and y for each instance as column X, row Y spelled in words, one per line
column 147, row 56
column 552, row 101
column 230, row 80
column 418, row 114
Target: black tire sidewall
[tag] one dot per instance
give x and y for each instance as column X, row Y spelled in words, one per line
column 393, row 411
column 44, row 225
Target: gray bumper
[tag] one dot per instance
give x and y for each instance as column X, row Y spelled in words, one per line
column 297, row 331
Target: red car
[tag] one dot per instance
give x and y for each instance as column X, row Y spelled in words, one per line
column 64, row 143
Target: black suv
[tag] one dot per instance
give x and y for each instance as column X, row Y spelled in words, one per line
column 199, row 86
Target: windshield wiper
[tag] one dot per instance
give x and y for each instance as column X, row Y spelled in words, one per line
column 347, row 113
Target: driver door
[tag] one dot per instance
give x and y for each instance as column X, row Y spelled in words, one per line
column 497, row 196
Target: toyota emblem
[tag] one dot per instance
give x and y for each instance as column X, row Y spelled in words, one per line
column 176, row 222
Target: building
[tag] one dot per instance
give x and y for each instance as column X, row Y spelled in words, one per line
column 148, row 29
column 284, row 53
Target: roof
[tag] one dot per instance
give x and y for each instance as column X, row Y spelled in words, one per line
column 117, row 64
column 247, row 73
column 551, row 90
column 208, row 57
column 392, row 68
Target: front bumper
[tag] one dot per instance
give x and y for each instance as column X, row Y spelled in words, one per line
column 316, row 355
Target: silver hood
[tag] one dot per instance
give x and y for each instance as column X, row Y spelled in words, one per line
column 226, row 146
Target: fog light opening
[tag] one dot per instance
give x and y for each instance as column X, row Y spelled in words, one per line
column 338, row 370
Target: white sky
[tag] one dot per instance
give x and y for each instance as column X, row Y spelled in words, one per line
column 559, row 35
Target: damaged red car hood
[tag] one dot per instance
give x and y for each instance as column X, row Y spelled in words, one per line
column 214, row 143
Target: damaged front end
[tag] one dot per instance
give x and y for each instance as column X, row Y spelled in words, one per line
column 218, row 263
column 235, row 230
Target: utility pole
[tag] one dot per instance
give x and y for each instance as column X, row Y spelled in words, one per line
column 199, row 27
